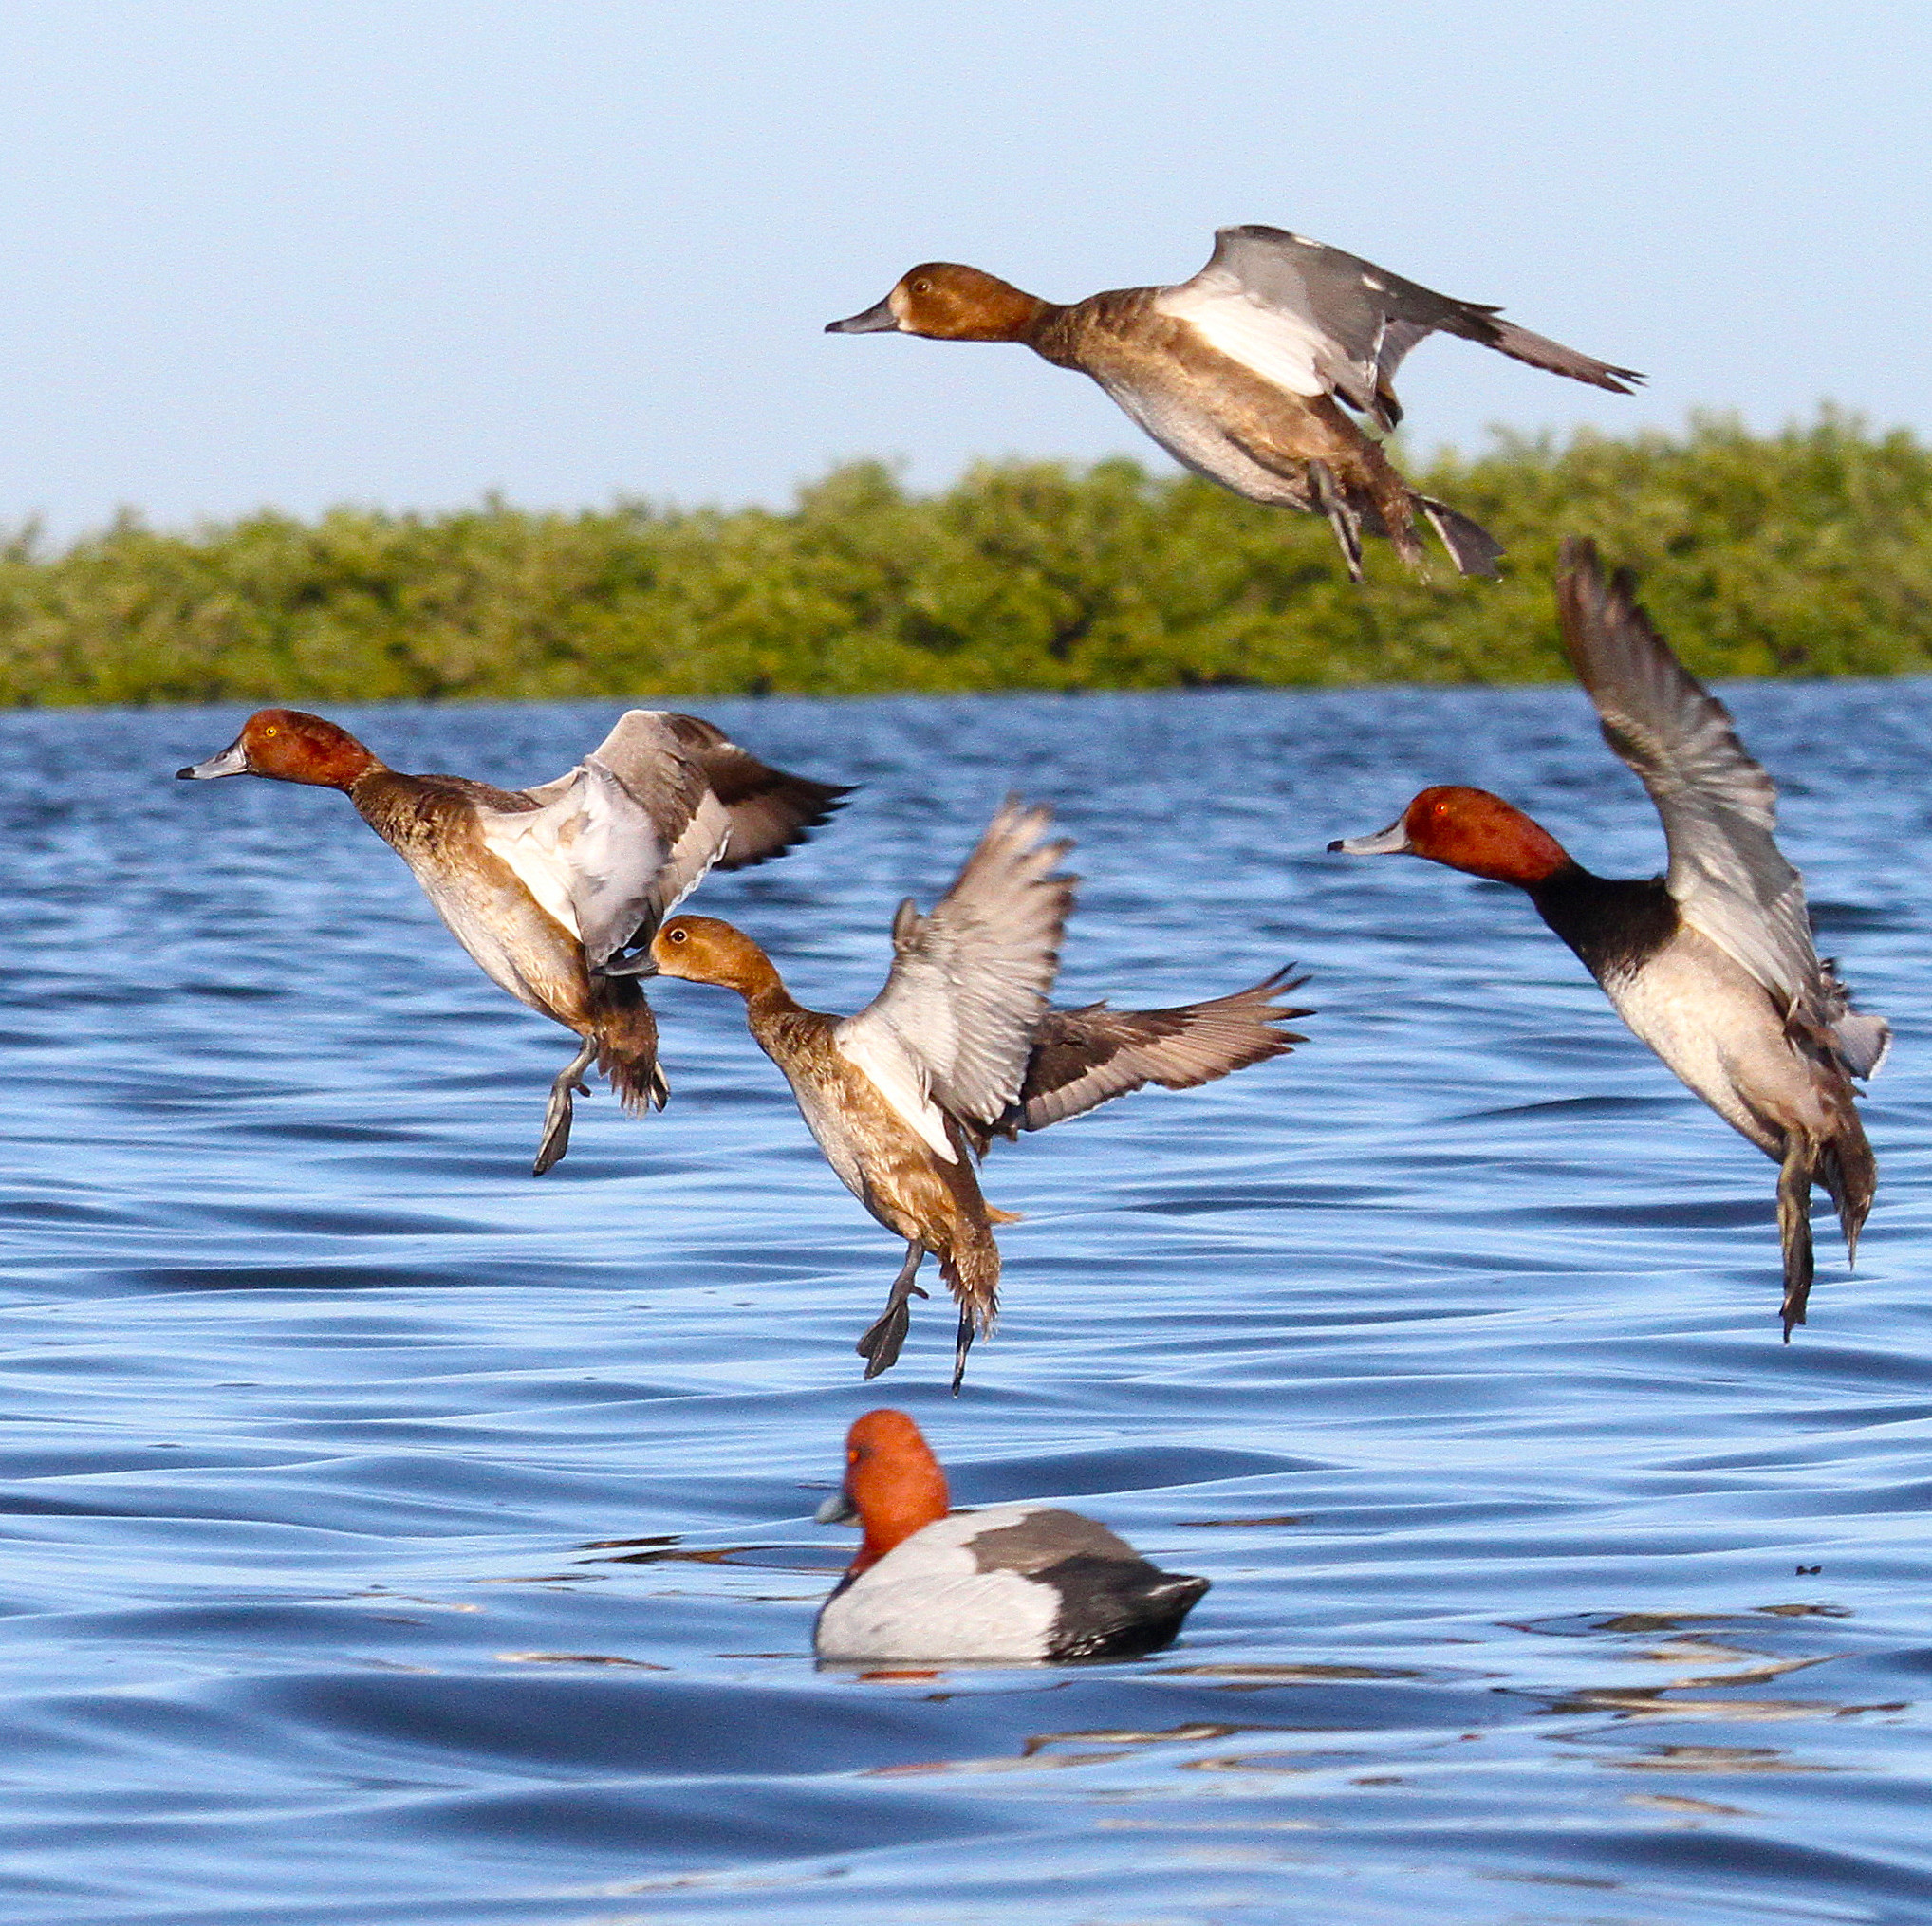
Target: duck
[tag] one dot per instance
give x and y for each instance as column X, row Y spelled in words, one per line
column 1712, row 964
column 961, row 1046
column 554, row 890
column 1242, row 372
column 1014, row 1584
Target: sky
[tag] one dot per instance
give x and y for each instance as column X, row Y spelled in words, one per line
column 406, row 254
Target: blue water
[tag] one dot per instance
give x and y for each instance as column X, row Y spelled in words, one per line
column 390, row 1537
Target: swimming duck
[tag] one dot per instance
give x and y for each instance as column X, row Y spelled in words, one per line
column 1711, row 964
column 1237, row 372
column 548, row 888
column 959, row 1046
column 1011, row 1583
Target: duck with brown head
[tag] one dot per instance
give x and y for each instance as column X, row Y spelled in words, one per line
column 1711, row 964
column 1014, row 1584
column 1242, row 374
column 554, row 889
column 960, row 1047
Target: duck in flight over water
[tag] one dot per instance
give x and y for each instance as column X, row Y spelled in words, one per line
column 548, row 887
column 961, row 1046
column 1239, row 373
column 1711, row 964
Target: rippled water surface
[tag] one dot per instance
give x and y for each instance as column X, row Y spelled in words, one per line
column 391, row 1537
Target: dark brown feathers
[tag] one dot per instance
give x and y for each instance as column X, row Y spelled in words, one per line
column 1083, row 1058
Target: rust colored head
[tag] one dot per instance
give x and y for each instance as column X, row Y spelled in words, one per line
column 290, row 745
column 946, row 302
column 893, row 1486
column 703, row 950
column 1471, row 831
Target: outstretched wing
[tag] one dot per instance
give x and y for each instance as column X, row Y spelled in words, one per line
column 627, row 835
column 969, row 982
column 770, row 809
column 1719, row 808
column 1361, row 319
column 1084, row 1058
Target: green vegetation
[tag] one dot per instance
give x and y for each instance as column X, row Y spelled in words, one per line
column 1808, row 552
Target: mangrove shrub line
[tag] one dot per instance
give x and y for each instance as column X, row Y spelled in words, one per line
column 1807, row 553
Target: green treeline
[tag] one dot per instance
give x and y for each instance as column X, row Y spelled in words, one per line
column 1808, row 552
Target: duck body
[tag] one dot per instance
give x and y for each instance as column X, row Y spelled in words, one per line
column 928, row 1196
column 887, row 1093
column 546, row 888
column 1014, row 1584
column 1242, row 372
column 1713, row 964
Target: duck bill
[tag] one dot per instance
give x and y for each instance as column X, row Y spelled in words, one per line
column 837, row 1509
column 879, row 319
column 1394, row 840
column 233, row 761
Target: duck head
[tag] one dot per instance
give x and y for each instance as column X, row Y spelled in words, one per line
column 946, row 302
column 290, row 747
column 1470, row 831
column 893, row 1487
column 703, row 950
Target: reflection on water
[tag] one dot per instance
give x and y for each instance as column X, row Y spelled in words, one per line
column 393, row 1537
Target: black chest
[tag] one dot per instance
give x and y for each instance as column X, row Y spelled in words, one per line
column 1615, row 926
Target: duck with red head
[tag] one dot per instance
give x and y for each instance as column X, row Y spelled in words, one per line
column 960, row 1047
column 1013, row 1583
column 1711, row 964
column 1242, row 374
column 552, row 890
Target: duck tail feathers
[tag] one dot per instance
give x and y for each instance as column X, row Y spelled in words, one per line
column 1471, row 546
column 627, row 1044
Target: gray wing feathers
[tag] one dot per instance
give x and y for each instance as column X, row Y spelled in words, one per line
column 1084, row 1058
column 659, row 800
column 770, row 809
column 1370, row 318
column 969, row 982
column 1719, row 808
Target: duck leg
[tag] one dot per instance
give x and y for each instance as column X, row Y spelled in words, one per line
column 879, row 1345
column 961, row 1347
column 556, row 1138
column 1794, row 1228
column 1341, row 518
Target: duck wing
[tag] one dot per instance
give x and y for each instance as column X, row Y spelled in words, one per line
column 1364, row 319
column 953, row 1025
column 1083, row 1058
column 771, row 810
column 1719, row 808
column 605, row 863
column 622, row 839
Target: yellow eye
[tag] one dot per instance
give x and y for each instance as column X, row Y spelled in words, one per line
column 272, row 730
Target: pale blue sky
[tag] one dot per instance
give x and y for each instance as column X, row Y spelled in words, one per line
column 403, row 251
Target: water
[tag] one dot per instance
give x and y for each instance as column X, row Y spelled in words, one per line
column 390, row 1537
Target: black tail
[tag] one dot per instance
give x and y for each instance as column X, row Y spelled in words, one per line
column 627, row 1034
column 1473, row 548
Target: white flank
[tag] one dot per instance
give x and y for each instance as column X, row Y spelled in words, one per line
column 928, row 1600
column 1278, row 346
column 891, row 1069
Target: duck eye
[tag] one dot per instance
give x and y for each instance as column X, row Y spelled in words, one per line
column 674, row 936
column 922, row 286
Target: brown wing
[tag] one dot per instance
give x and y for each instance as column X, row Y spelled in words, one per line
column 770, row 809
column 1083, row 1058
